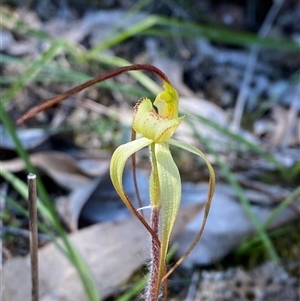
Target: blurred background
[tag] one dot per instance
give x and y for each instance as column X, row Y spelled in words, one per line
column 235, row 65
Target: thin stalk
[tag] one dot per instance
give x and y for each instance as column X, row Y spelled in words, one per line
column 156, row 267
column 33, row 227
column 153, row 286
column 59, row 98
column 49, row 212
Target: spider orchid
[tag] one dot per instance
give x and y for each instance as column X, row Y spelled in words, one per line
column 155, row 123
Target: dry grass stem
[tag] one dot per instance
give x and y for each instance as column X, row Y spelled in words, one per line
column 33, row 227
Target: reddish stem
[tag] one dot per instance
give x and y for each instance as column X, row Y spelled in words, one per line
column 153, row 286
column 57, row 99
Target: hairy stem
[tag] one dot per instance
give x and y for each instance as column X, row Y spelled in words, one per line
column 153, row 288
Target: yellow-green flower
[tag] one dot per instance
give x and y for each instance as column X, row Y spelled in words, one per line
column 156, row 123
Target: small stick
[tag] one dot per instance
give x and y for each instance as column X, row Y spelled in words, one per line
column 110, row 74
column 33, row 227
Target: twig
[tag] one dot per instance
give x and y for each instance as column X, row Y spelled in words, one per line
column 245, row 86
column 33, row 227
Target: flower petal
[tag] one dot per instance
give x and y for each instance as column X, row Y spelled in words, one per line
column 170, row 196
column 212, row 182
column 117, row 164
column 147, row 122
column 166, row 102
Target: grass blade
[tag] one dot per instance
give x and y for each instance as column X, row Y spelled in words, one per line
column 50, row 214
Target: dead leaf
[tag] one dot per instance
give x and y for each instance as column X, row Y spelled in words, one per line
column 69, row 207
column 30, row 138
column 97, row 201
column 62, row 168
column 112, row 250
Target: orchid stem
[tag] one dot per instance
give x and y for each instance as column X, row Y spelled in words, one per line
column 156, row 121
column 153, row 286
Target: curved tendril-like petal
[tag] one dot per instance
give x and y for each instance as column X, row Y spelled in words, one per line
column 212, row 183
column 170, row 196
column 147, row 122
column 197, row 152
column 117, row 164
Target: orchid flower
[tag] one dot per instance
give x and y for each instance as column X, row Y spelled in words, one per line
column 155, row 123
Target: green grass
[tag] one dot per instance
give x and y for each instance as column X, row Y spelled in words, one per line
column 46, row 69
column 47, row 210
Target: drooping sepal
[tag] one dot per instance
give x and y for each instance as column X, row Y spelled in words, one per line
column 170, row 196
column 118, row 161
